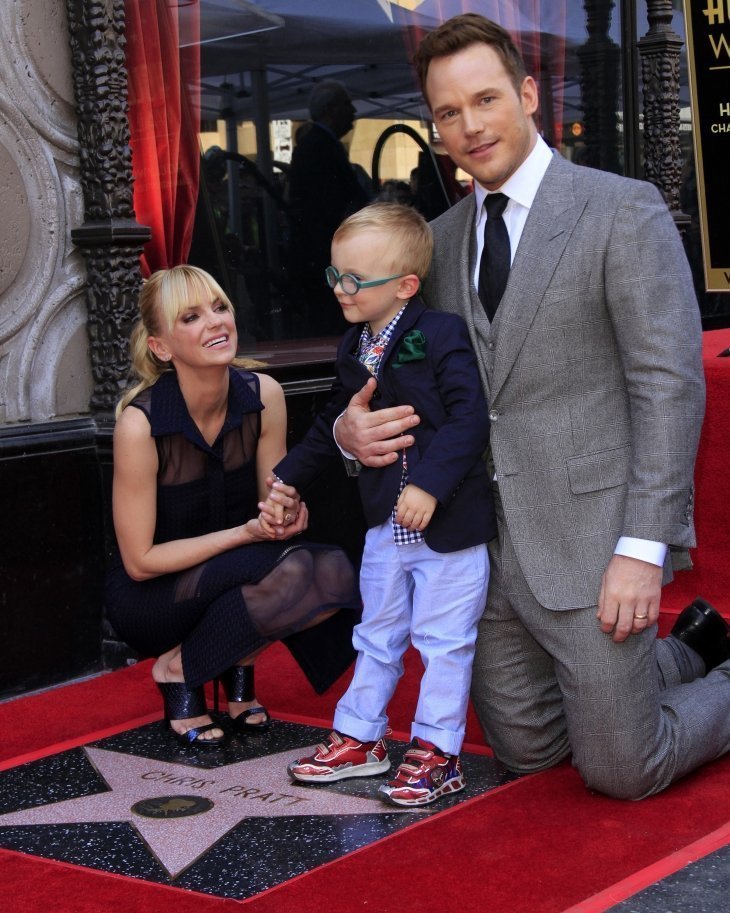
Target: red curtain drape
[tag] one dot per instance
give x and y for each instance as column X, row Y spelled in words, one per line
column 163, row 65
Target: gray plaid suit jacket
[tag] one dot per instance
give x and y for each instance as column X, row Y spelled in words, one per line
column 593, row 373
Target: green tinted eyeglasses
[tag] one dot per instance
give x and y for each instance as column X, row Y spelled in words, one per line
column 349, row 284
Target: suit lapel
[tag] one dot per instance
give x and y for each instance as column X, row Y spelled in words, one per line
column 550, row 223
column 460, row 276
column 353, row 374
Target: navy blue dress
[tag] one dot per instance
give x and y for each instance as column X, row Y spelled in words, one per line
column 241, row 600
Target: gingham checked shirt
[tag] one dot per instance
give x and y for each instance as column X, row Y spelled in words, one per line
column 370, row 351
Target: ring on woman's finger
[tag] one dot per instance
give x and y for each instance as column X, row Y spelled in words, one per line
column 641, row 617
column 288, row 517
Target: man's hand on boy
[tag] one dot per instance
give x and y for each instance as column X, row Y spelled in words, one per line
column 415, row 508
column 374, row 438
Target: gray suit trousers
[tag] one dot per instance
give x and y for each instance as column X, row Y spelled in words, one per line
column 547, row 683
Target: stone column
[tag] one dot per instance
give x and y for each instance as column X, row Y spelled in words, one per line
column 659, row 50
column 110, row 238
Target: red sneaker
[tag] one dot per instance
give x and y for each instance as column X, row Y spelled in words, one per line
column 341, row 757
column 424, row 776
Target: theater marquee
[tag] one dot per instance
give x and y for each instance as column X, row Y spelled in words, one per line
column 708, row 53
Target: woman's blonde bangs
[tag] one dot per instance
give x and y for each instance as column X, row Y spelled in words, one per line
column 184, row 287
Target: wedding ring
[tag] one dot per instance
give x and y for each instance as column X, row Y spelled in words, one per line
column 290, row 517
column 641, row 617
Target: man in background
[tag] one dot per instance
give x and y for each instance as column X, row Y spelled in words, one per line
column 323, row 190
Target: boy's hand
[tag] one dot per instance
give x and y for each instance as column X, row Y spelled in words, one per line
column 260, row 530
column 415, row 508
column 282, row 504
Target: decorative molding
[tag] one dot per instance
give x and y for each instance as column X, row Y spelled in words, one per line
column 41, row 438
column 39, row 274
column 34, row 182
column 34, row 68
column 110, row 238
column 60, row 347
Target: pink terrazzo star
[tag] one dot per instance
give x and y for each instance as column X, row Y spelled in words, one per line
column 248, row 789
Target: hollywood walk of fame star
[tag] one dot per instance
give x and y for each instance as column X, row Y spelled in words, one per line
column 224, row 796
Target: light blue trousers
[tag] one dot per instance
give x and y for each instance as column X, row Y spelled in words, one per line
column 414, row 594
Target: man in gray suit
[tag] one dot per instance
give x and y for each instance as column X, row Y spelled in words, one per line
column 592, row 368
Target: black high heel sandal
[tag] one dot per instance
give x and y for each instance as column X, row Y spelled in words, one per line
column 238, row 684
column 183, row 703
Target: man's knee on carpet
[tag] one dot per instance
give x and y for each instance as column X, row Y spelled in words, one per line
column 624, row 768
column 525, row 749
column 614, row 770
column 621, row 783
column 616, row 783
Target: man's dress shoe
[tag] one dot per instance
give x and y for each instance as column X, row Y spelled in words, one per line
column 702, row 628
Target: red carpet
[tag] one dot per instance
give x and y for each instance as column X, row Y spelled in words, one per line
column 710, row 577
column 508, row 847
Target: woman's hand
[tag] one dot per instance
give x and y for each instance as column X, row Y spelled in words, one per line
column 260, row 530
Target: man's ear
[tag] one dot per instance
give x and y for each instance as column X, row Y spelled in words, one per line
column 158, row 348
column 409, row 286
column 529, row 96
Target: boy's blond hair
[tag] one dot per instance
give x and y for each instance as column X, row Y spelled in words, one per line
column 411, row 245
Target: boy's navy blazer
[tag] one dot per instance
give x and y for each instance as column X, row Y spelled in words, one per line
column 446, row 460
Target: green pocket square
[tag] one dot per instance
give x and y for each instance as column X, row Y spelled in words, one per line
column 412, row 348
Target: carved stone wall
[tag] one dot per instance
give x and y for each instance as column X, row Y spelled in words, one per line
column 660, row 52
column 45, row 368
column 110, row 237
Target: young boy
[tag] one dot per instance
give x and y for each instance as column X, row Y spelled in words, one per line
column 425, row 567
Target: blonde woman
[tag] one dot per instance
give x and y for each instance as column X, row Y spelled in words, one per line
column 203, row 581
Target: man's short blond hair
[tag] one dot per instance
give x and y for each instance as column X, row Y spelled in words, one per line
column 411, row 246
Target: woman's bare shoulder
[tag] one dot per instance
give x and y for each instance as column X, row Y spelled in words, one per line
column 269, row 388
column 132, row 425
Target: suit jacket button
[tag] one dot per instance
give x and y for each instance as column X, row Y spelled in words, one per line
column 493, row 415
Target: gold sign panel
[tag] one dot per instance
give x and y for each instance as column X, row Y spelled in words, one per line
column 708, row 53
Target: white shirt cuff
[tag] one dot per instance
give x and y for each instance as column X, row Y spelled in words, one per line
column 345, row 454
column 643, row 549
